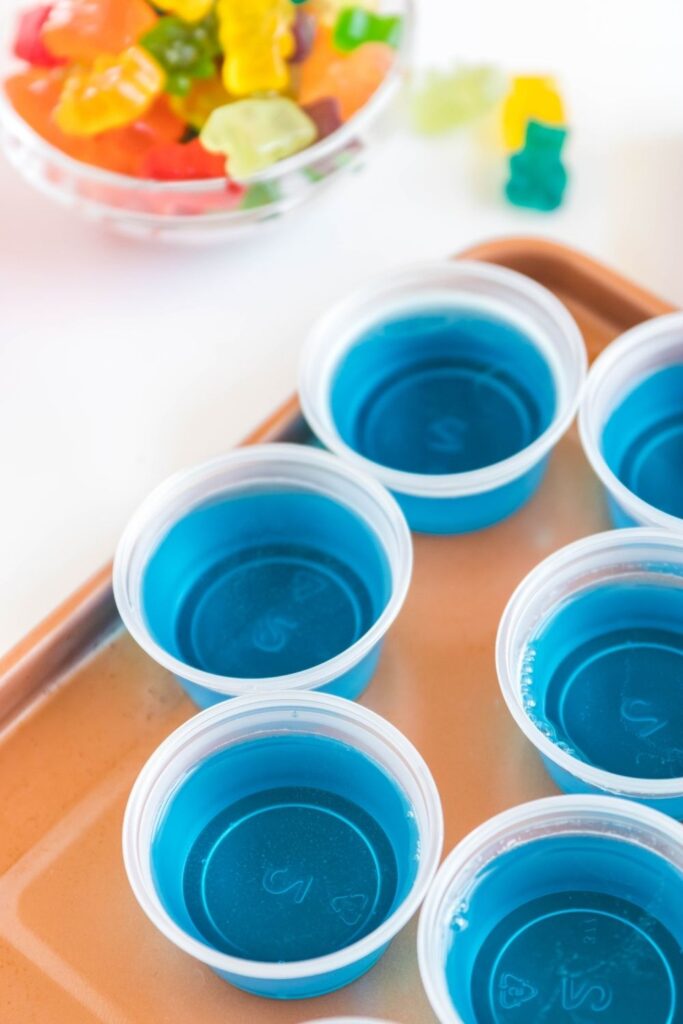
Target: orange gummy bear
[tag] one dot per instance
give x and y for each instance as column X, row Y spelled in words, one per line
column 34, row 94
column 349, row 78
column 86, row 29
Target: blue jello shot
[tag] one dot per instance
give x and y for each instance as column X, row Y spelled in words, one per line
column 450, row 383
column 283, row 841
column 590, row 663
column 274, row 567
column 561, row 911
column 631, row 424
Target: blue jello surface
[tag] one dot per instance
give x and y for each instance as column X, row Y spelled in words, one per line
column 570, row 930
column 642, row 441
column 442, row 391
column 265, row 584
column 604, row 677
column 285, row 848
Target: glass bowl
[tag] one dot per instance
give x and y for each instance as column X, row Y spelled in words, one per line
column 198, row 211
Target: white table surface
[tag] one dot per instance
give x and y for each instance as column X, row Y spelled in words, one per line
column 122, row 362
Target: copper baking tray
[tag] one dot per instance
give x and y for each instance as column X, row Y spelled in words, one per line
column 82, row 707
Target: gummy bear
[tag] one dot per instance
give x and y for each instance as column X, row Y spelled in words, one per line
column 356, row 25
column 34, row 93
column 257, row 38
column 325, row 115
column 185, row 51
column 351, row 78
column 442, row 101
column 531, row 98
column 303, row 31
column 178, row 161
column 28, row 42
column 255, row 133
column 86, row 29
column 111, row 93
column 537, row 176
column 187, row 10
column 203, row 98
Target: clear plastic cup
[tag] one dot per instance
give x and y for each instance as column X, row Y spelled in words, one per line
column 234, row 747
column 599, row 619
column 197, row 212
column 536, row 407
column 276, row 567
column 636, row 449
column 563, row 909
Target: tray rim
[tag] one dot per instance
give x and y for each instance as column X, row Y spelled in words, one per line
column 83, row 618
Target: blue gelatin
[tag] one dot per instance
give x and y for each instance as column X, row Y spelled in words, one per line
column 570, row 930
column 285, row 848
column 265, row 584
column 642, row 441
column 604, row 678
column 442, row 390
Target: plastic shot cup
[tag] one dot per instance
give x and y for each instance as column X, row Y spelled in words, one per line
column 274, row 567
column 590, row 663
column 283, row 841
column 563, row 910
column 450, row 383
column 631, row 424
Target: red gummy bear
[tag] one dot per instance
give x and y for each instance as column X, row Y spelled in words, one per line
column 176, row 161
column 28, row 42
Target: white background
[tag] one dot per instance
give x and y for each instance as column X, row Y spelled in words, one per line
column 121, row 362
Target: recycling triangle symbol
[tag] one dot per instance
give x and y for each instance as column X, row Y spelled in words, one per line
column 514, row 991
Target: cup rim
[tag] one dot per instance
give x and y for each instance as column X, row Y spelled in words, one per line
column 11, row 120
column 471, row 850
column 382, row 732
column 541, row 577
column 171, row 491
column 631, row 348
column 316, row 355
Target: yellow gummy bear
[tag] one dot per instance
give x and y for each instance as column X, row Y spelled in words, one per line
column 205, row 95
column 111, row 93
column 256, row 36
column 531, row 98
column 186, row 10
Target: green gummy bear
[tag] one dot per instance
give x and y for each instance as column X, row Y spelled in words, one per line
column 538, row 178
column 255, row 133
column 185, row 51
column 355, row 26
column 442, row 101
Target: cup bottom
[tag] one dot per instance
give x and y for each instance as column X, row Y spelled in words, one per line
column 642, row 441
column 284, row 848
column 572, row 953
column 271, row 611
column 328, row 878
column 568, row 929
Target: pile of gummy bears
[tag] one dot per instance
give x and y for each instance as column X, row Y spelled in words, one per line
column 532, row 127
column 180, row 90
